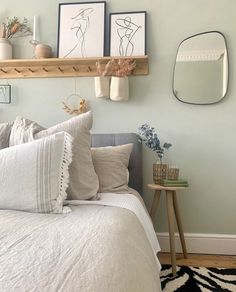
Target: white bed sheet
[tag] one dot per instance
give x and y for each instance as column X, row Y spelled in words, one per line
column 95, row 248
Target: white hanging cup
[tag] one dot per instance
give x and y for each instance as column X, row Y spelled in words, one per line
column 102, row 86
column 5, row 49
column 119, row 88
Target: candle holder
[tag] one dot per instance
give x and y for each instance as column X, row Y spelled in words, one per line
column 34, row 43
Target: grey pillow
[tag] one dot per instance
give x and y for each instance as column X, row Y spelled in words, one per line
column 5, row 130
column 111, row 165
column 83, row 178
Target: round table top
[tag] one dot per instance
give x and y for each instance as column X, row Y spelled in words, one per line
column 160, row 188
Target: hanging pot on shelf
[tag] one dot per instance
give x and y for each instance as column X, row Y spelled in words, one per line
column 102, row 86
column 5, row 49
column 119, row 88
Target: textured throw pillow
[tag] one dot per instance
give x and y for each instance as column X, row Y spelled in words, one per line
column 34, row 175
column 23, row 131
column 83, row 179
column 111, row 165
column 5, row 130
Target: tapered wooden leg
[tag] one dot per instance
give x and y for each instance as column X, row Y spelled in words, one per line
column 179, row 224
column 155, row 203
column 170, row 212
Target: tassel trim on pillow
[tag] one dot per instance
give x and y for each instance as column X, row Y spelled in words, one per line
column 64, row 173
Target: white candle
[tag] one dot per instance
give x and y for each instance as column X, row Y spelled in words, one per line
column 34, row 29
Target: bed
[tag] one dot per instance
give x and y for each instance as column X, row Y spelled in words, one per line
column 101, row 245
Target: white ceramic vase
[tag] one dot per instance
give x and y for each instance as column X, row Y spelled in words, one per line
column 119, row 89
column 5, row 49
column 102, row 86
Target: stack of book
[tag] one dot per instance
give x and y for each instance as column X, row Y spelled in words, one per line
column 174, row 183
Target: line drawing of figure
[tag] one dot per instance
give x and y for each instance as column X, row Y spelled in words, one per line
column 80, row 25
column 126, row 31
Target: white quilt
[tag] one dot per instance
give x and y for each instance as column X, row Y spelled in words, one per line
column 95, row 248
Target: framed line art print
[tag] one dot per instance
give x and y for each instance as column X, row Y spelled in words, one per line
column 81, row 29
column 128, row 33
column 5, row 94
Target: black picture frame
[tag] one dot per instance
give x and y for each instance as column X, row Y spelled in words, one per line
column 128, row 33
column 81, row 29
column 5, row 93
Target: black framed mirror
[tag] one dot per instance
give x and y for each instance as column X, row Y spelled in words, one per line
column 201, row 69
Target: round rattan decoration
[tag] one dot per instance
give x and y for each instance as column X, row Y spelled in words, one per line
column 82, row 106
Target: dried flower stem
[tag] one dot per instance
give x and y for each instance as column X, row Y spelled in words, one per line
column 13, row 27
column 119, row 68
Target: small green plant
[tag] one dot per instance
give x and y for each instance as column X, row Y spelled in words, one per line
column 14, row 27
column 148, row 135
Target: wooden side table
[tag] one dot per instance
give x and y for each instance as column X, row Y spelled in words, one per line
column 172, row 211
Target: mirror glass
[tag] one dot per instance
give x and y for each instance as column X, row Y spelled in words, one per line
column 201, row 69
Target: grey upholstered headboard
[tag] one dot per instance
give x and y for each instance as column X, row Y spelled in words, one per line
column 135, row 163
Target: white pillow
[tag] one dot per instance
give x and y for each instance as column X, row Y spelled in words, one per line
column 83, row 179
column 34, row 176
column 111, row 165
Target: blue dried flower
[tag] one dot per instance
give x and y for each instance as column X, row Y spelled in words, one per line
column 149, row 137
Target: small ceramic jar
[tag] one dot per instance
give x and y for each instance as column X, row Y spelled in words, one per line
column 42, row 51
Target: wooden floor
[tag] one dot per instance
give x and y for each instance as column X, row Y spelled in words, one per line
column 197, row 260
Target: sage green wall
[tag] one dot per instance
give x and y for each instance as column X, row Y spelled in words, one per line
column 203, row 137
column 195, row 81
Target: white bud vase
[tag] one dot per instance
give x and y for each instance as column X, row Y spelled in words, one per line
column 119, row 88
column 5, row 49
column 102, row 86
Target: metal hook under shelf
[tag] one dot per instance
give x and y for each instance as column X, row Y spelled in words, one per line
column 3, row 71
column 18, row 71
column 75, row 69
column 59, row 68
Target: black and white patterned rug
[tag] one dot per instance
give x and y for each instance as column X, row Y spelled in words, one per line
column 192, row 279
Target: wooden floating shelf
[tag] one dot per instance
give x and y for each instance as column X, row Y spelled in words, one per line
column 68, row 67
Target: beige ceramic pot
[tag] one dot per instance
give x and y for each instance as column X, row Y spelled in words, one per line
column 5, row 49
column 42, row 51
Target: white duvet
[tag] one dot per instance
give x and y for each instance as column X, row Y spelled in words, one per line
column 101, row 246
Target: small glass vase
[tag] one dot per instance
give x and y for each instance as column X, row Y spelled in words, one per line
column 160, row 172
